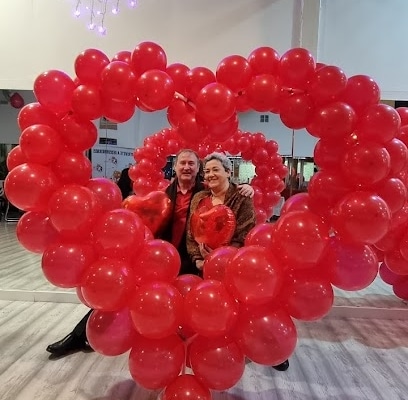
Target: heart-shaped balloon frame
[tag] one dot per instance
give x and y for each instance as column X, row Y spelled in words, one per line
column 302, row 92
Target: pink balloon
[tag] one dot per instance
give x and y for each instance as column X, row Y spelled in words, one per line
column 110, row 333
column 341, row 257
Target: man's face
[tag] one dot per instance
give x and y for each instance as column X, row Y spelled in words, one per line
column 186, row 167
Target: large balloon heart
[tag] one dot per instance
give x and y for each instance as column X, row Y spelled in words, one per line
column 154, row 209
column 213, row 227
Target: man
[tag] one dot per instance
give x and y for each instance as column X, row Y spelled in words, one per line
column 187, row 182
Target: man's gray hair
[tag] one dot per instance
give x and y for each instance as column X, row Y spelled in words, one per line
column 222, row 158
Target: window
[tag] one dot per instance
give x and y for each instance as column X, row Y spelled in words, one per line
column 264, row 118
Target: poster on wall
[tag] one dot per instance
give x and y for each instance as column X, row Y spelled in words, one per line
column 108, row 161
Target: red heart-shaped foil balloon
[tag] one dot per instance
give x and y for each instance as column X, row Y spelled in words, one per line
column 213, row 227
column 154, row 209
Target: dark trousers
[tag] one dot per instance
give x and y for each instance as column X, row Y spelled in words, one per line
column 80, row 328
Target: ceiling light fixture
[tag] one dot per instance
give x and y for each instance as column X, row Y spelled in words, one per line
column 95, row 12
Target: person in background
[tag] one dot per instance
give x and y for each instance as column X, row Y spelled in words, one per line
column 217, row 174
column 125, row 183
column 187, row 182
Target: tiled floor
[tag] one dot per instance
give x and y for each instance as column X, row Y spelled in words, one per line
column 336, row 358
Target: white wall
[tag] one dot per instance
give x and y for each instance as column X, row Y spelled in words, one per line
column 38, row 35
column 360, row 36
column 367, row 37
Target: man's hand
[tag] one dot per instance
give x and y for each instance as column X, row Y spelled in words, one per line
column 246, row 190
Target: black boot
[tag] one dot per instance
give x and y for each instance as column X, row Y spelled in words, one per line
column 70, row 344
column 282, row 367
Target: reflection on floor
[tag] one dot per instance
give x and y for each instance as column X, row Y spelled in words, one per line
column 336, row 358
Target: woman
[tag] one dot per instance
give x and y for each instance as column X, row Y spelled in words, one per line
column 217, row 173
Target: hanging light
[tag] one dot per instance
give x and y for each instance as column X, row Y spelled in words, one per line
column 95, row 12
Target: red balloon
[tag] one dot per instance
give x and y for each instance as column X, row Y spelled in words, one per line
column 147, row 56
column 155, row 89
column 388, row 276
column 264, row 60
column 393, row 192
column 366, row 163
column 117, row 111
column 198, row 77
column 184, row 283
column 156, row 363
column 217, row 363
column 154, row 209
column 108, row 285
column 89, row 65
column 77, row 134
column 297, row 202
column 266, row 335
column 72, row 168
column 184, row 387
column 215, row 103
column 351, row 266
column 403, row 113
column 158, row 260
column 107, row 193
column 333, row 122
column 263, row 92
column 65, row 264
column 209, row 309
column 216, row 262
column 307, row 297
column 361, row 91
column 326, row 188
column 220, row 132
column 401, row 289
column 296, row 111
column 41, row 144
column 300, row 238
column 87, row 102
column 16, row 100
column 37, row 180
column 156, row 309
column 361, row 217
column 54, row 89
column 297, row 68
column 73, row 210
column 327, row 84
column 260, row 235
column 398, row 152
column 328, row 154
column 378, row 122
column 110, row 333
column 177, row 110
column 15, row 157
column 214, row 227
column 123, row 55
column 81, row 297
column 396, row 262
column 119, row 234
column 179, row 74
column 35, row 232
column 253, row 276
column 235, row 72
column 118, row 81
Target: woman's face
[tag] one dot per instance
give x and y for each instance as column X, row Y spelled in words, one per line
column 215, row 174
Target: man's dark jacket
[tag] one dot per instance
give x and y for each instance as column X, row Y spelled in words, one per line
column 187, row 266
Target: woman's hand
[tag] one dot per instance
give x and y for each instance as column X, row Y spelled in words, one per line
column 199, row 264
column 246, row 190
column 204, row 249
